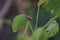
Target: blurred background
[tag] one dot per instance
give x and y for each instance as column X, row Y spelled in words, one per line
column 10, row 8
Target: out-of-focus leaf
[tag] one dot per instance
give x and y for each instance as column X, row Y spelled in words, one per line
column 57, row 36
column 52, row 29
column 55, row 6
column 41, row 2
column 39, row 34
column 22, row 36
column 19, row 22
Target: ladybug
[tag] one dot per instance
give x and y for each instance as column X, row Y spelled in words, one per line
column 29, row 17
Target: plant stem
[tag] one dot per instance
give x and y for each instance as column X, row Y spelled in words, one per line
column 37, row 17
column 52, row 19
column 31, row 27
column 26, row 28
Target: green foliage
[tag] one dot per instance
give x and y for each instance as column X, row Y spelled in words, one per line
column 55, row 6
column 41, row 2
column 32, row 12
column 48, row 29
column 19, row 22
column 52, row 29
column 28, row 26
column 39, row 34
column 44, row 16
column 22, row 36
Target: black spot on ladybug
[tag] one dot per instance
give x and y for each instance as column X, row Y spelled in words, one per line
column 29, row 17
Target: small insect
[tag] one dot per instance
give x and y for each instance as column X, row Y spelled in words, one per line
column 29, row 17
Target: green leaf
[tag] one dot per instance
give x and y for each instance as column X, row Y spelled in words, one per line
column 55, row 6
column 22, row 36
column 19, row 22
column 39, row 34
column 41, row 2
column 52, row 29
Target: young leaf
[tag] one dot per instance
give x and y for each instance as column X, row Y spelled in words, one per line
column 39, row 34
column 19, row 22
column 41, row 2
column 52, row 29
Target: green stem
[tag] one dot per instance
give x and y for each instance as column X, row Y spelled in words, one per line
column 52, row 19
column 27, row 26
column 37, row 18
column 30, row 26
